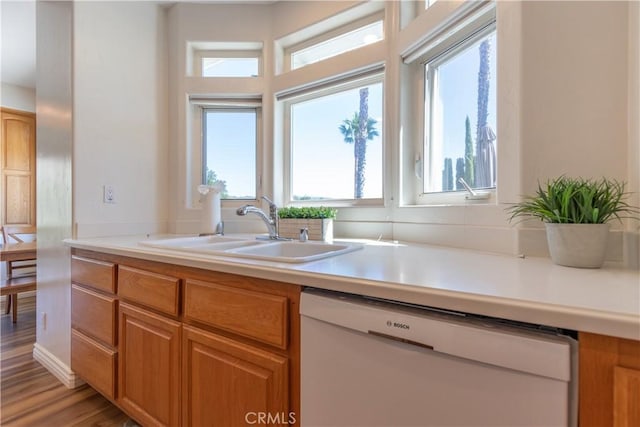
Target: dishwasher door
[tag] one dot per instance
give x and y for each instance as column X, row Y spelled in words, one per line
column 366, row 363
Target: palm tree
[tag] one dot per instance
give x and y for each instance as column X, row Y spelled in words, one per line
column 357, row 131
column 482, row 173
column 469, row 158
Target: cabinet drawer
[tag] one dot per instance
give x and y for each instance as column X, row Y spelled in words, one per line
column 94, row 314
column 150, row 289
column 262, row 317
column 97, row 274
column 94, row 363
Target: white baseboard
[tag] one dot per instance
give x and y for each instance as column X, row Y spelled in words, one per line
column 57, row 368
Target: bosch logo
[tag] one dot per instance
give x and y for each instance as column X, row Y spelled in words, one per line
column 397, row 325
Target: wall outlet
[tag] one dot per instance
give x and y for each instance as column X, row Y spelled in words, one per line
column 109, row 195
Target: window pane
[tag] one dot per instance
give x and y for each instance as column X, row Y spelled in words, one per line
column 461, row 118
column 229, row 67
column 428, row 3
column 325, row 139
column 343, row 43
column 230, row 151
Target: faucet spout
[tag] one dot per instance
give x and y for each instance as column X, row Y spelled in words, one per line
column 270, row 222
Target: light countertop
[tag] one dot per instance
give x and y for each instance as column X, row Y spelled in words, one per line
column 604, row 301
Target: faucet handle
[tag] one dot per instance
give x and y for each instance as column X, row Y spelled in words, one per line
column 273, row 208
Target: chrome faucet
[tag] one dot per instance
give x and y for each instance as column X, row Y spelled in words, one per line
column 270, row 221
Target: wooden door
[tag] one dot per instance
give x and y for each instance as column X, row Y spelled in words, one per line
column 149, row 366
column 228, row 383
column 18, row 164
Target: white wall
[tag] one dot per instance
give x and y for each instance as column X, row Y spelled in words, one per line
column 101, row 99
column 632, row 240
column 574, row 117
column 53, row 161
column 574, row 110
column 18, row 97
column 120, row 117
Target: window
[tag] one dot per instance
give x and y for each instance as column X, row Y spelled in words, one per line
column 230, row 67
column 331, row 158
column 345, row 42
column 224, row 59
column 460, row 115
column 428, row 3
column 229, row 150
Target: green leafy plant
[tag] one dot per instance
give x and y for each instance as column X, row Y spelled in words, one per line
column 576, row 201
column 308, row 212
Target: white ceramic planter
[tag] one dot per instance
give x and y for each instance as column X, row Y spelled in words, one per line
column 578, row 245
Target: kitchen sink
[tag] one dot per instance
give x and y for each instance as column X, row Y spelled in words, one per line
column 189, row 243
column 293, row 251
column 280, row 251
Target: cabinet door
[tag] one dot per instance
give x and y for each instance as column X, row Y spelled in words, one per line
column 94, row 363
column 626, row 397
column 227, row 383
column 609, row 381
column 18, row 168
column 149, row 367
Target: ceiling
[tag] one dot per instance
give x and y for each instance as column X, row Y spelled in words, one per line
column 18, row 50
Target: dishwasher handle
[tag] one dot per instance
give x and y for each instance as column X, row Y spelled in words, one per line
column 400, row 339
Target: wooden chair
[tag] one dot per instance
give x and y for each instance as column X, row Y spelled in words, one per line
column 21, row 275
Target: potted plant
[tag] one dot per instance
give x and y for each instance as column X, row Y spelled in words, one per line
column 317, row 220
column 576, row 213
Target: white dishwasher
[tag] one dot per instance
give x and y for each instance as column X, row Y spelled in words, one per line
column 374, row 363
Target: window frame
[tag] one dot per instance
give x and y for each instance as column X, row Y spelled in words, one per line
column 198, row 150
column 326, row 90
column 465, row 24
column 328, row 35
column 199, row 55
column 430, row 75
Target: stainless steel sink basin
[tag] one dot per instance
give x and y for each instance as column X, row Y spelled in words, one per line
column 293, row 251
column 242, row 247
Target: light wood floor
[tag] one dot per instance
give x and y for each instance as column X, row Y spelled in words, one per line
column 30, row 395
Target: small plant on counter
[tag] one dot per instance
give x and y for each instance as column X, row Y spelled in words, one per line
column 318, row 221
column 576, row 212
column 566, row 200
column 308, row 212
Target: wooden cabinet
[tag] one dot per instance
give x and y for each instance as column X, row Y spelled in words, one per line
column 150, row 289
column 173, row 345
column 94, row 362
column 609, row 381
column 149, row 366
column 94, row 314
column 227, row 383
column 97, row 274
column 255, row 315
column 94, row 332
column 17, row 167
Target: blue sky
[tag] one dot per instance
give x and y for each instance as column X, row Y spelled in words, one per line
column 459, row 92
column 233, row 155
column 323, row 164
